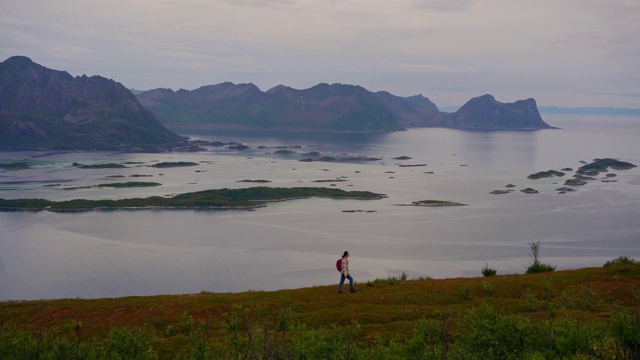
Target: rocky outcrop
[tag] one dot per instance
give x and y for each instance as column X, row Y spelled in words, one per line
column 484, row 112
column 44, row 108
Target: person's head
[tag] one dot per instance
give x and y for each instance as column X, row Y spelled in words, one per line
column 345, row 254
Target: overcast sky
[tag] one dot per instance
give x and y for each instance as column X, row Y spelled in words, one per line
column 559, row 52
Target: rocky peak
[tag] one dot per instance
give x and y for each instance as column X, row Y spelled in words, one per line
column 57, row 104
column 484, row 112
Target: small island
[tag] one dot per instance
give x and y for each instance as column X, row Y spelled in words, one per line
column 15, row 166
column 574, row 182
column 169, row 164
column 254, row 181
column 247, row 199
column 500, row 192
column 564, row 189
column 602, row 165
column 433, row 203
column 546, row 174
column 284, row 152
column 99, row 166
column 130, row 184
column 529, row 191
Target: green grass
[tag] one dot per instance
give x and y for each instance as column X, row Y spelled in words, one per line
column 388, row 310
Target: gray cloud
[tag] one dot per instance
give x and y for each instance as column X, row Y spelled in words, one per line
column 561, row 53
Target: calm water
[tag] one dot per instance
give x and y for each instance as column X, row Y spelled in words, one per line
column 295, row 244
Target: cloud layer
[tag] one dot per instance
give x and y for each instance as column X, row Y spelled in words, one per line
column 568, row 53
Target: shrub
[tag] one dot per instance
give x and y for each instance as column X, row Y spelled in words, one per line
column 390, row 280
column 487, row 271
column 626, row 330
column 532, row 301
column 537, row 266
column 487, row 288
column 130, row 344
column 465, row 292
column 581, row 298
column 622, row 260
column 431, row 339
column 491, row 335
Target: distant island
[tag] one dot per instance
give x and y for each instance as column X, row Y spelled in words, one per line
column 546, row 174
column 20, row 165
column 602, row 165
column 169, row 164
column 122, row 185
column 248, row 198
column 328, row 108
column 582, row 175
column 434, row 203
column 99, row 166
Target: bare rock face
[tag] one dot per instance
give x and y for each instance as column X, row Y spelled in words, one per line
column 44, row 108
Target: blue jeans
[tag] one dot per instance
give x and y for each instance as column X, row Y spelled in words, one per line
column 342, row 277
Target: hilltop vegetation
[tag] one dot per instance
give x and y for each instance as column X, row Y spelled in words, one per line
column 580, row 314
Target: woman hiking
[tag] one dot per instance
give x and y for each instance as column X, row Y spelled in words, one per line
column 344, row 273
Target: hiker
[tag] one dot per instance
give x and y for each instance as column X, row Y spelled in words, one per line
column 344, row 273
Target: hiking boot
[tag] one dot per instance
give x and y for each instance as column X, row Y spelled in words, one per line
column 354, row 290
column 339, row 291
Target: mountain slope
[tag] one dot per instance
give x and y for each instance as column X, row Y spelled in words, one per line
column 44, row 108
column 413, row 111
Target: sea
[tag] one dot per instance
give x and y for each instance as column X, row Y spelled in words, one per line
column 294, row 244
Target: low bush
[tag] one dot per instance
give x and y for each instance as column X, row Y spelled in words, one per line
column 487, row 271
column 622, row 260
column 390, row 280
column 537, row 266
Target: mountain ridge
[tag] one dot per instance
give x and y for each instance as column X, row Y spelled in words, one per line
column 45, row 108
column 330, row 108
column 41, row 108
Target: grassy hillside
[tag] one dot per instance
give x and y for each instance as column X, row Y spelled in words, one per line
column 585, row 313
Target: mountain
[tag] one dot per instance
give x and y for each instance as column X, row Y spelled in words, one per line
column 413, row 111
column 44, row 108
column 327, row 108
column 324, row 107
column 484, row 112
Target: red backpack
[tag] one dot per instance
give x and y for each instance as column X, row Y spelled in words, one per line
column 339, row 264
